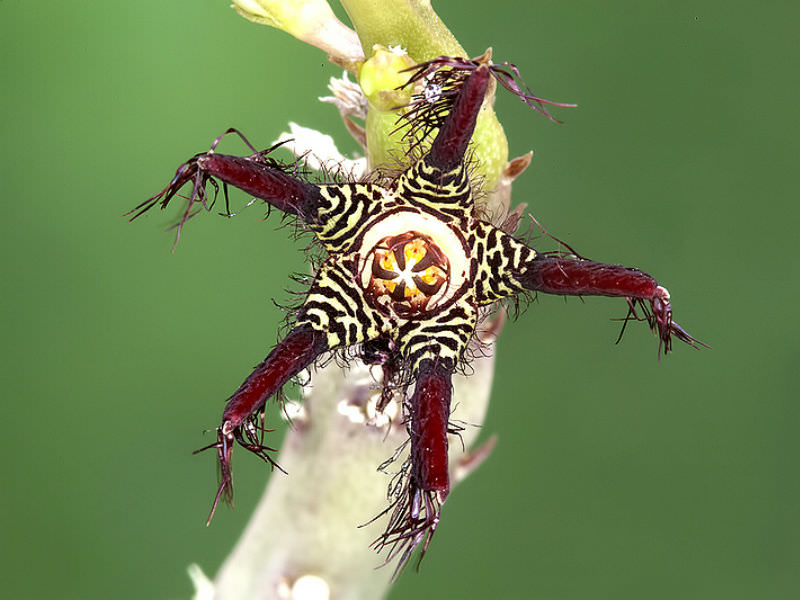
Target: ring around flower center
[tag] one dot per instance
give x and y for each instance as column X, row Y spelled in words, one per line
column 414, row 272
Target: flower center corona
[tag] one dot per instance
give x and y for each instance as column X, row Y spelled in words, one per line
column 409, row 273
column 415, row 272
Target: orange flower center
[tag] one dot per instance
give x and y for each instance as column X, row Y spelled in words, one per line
column 409, row 274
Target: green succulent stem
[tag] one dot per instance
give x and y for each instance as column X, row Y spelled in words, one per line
column 304, row 532
column 412, row 24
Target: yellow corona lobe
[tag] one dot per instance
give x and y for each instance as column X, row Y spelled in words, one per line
column 408, row 274
column 394, row 246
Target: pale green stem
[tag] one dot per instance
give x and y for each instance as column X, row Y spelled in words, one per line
column 304, row 541
column 412, row 24
column 306, row 526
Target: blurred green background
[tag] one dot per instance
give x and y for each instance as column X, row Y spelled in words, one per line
column 615, row 476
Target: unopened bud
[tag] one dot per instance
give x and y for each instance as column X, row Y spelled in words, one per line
column 381, row 76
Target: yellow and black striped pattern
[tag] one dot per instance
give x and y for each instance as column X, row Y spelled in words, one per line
column 448, row 193
column 337, row 304
column 444, row 337
column 345, row 211
column 496, row 256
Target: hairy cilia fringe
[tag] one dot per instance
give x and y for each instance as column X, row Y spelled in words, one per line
column 409, row 269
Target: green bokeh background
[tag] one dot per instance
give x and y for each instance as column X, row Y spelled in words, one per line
column 615, row 476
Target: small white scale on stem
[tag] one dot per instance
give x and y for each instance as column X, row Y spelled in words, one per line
column 305, row 587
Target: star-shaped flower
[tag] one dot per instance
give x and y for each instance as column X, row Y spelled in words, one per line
column 410, row 269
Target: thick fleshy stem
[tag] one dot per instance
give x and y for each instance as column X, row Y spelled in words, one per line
column 571, row 277
column 257, row 174
column 430, row 410
column 450, row 145
column 293, row 354
column 305, row 524
column 416, row 508
column 240, row 418
column 577, row 277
